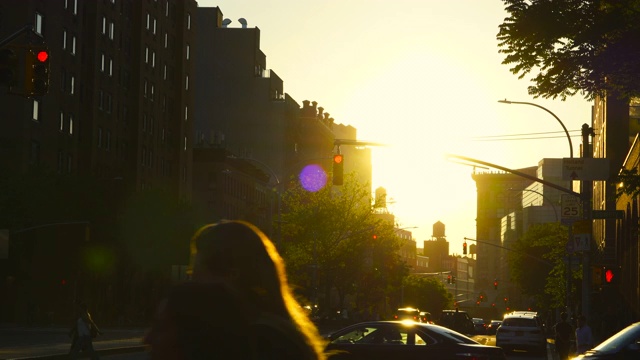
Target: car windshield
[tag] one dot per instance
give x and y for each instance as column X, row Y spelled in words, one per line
column 520, row 322
column 624, row 337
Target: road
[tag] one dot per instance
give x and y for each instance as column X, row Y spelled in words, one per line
column 483, row 339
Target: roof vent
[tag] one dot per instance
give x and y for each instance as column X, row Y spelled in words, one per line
column 243, row 21
column 226, row 22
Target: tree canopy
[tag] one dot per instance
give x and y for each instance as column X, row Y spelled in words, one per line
column 573, row 46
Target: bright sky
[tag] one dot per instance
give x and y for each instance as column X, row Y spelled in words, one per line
column 423, row 76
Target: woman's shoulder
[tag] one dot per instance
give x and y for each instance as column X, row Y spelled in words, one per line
column 280, row 338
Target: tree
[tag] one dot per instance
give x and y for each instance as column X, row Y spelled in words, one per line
column 537, row 264
column 586, row 46
column 329, row 243
column 426, row 293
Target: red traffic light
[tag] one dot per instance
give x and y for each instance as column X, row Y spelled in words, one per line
column 42, row 56
column 337, row 158
column 374, row 236
column 608, row 276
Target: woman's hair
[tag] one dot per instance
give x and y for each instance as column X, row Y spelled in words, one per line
column 239, row 251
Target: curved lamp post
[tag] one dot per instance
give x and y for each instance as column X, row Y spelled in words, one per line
column 505, row 101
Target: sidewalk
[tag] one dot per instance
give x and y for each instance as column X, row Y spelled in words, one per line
column 21, row 342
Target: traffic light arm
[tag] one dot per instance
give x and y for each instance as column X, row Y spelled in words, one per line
column 10, row 38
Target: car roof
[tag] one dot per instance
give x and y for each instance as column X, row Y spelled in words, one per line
column 408, row 309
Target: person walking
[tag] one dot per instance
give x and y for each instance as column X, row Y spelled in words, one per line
column 584, row 336
column 83, row 332
column 235, row 263
column 563, row 331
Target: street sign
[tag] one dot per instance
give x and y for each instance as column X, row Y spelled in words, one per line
column 581, row 242
column 607, row 214
column 589, row 169
column 571, row 207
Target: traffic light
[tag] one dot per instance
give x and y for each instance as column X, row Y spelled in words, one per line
column 8, row 67
column 610, row 275
column 464, row 248
column 36, row 71
column 338, row 169
column 453, row 279
column 374, row 237
column 495, row 284
column 449, row 279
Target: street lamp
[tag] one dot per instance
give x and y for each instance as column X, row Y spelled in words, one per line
column 505, row 101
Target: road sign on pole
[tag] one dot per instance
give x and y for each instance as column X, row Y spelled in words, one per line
column 571, row 207
column 585, row 169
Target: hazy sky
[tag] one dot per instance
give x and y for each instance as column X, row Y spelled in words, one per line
column 423, row 76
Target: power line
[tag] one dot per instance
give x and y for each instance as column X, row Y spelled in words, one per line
column 528, row 134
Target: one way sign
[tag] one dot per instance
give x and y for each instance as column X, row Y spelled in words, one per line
column 589, row 169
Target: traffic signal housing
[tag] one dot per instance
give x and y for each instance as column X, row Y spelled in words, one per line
column 464, row 248
column 8, row 67
column 495, row 284
column 36, row 71
column 610, row 275
column 338, row 169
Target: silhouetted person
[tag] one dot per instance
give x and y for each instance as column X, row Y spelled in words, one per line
column 584, row 336
column 83, row 332
column 239, row 297
column 563, row 332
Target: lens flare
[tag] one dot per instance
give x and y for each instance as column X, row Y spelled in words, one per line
column 313, row 178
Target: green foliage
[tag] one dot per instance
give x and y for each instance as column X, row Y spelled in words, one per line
column 328, row 241
column 427, row 294
column 629, row 183
column 575, row 46
column 537, row 264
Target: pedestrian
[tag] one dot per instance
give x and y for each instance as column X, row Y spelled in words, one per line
column 563, row 331
column 240, row 254
column 201, row 321
column 584, row 336
column 239, row 305
column 82, row 333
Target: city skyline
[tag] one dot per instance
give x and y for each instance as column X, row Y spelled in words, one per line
column 423, row 77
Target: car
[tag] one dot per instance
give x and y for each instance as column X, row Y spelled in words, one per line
column 493, row 326
column 521, row 332
column 625, row 344
column 457, row 320
column 401, row 340
column 426, row 317
column 407, row 313
column 480, row 328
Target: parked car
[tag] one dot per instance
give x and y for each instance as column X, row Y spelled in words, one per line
column 407, row 313
column 457, row 320
column 521, row 332
column 400, row 340
column 625, row 344
column 426, row 317
column 480, row 328
column 493, row 326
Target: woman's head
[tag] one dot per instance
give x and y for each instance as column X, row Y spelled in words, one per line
column 238, row 252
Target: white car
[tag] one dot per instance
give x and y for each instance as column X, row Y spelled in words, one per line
column 522, row 332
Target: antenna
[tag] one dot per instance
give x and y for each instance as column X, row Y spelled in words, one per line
column 226, row 22
column 243, row 21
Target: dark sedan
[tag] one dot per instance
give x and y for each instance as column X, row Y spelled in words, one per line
column 401, row 340
column 625, row 345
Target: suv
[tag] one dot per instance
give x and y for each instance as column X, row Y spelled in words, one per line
column 407, row 313
column 521, row 331
column 457, row 320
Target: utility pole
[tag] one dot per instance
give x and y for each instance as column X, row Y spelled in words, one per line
column 587, row 198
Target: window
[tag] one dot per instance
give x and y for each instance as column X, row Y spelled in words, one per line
column 166, row 9
column 110, row 67
column 164, row 72
column 188, row 51
column 153, row 30
column 146, row 55
column 64, row 39
column 152, row 92
column 112, row 30
column 36, row 110
column 186, row 82
column 72, row 87
column 100, row 100
column 166, row 40
column 145, row 88
column 104, row 25
column 75, row 7
column 153, row 59
column 108, row 103
column 186, row 113
column 61, row 125
column 102, row 63
column 38, row 24
column 148, row 21
column 99, row 137
column 70, row 124
column 188, row 21
column 185, row 143
column 73, row 45
column 108, row 144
